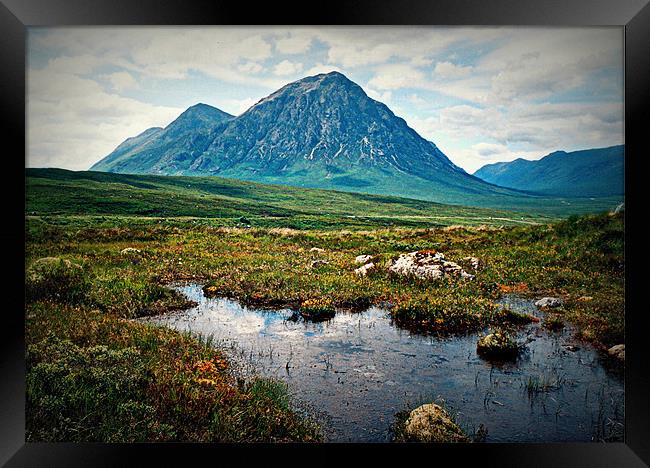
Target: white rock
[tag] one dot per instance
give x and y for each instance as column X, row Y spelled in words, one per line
column 317, row 249
column 363, row 259
column 617, row 351
column 549, row 302
column 129, row 250
column 426, row 265
column 363, row 270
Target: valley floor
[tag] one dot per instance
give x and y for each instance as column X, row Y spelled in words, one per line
column 95, row 375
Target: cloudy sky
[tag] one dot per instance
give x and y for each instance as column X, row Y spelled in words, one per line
column 481, row 94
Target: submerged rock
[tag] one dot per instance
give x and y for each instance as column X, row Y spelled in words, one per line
column 426, row 264
column 363, row 259
column 549, row 302
column 431, row 423
column 363, row 271
column 617, row 351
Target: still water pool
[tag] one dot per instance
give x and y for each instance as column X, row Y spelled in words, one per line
column 356, row 371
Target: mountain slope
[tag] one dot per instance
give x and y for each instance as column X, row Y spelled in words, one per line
column 322, row 131
column 168, row 150
column 587, row 173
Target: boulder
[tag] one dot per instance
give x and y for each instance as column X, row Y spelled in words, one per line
column 317, row 250
column 363, row 259
column 431, row 423
column 426, row 264
column 549, row 302
column 363, row 271
column 617, row 351
column 130, row 250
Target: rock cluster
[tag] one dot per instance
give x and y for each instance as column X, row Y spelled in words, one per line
column 426, row 264
column 431, row 423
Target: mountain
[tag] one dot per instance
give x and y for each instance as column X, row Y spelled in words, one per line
column 170, row 149
column 322, row 131
column 587, row 173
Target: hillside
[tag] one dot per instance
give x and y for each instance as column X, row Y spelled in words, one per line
column 322, row 131
column 226, row 201
column 587, row 173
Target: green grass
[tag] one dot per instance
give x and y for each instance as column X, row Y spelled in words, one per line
column 94, row 375
column 222, row 202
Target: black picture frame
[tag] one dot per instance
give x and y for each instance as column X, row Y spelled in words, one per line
column 16, row 15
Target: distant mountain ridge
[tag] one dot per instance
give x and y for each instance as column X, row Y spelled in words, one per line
column 597, row 172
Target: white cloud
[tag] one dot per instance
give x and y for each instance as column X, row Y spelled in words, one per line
column 287, row 67
column 450, row 70
column 250, row 67
column 72, row 122
column 294, row 43
column 321, row 68
column 396, row 76
column 416, row 100
column 476, row 156
column 384, row 97
column 238, row 106
column 121, row 81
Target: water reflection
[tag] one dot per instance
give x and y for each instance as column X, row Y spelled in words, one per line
column 358, row 370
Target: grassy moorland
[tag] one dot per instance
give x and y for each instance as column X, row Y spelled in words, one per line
column 94, row 375
column 222, row 202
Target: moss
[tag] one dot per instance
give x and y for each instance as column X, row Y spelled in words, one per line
column 497, row 345
column 431, row 423
column 317, row 309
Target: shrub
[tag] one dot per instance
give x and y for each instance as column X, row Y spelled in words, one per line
column 317, row 309
column 56, row 279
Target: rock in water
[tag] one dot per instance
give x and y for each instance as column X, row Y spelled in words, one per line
column 431, row 423
column 363, row 259
column 549, row 302
column 426, row 264
column 617, row 351
column 497, row 345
